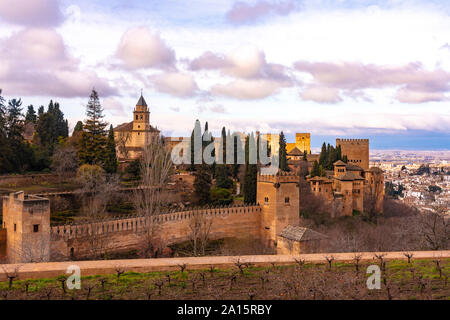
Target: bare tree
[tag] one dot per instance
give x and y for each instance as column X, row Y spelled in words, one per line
column 155, row 168
column 200, row 227
column 65, row 162
column 435, row 229
column 122, row 140
column 96, row 189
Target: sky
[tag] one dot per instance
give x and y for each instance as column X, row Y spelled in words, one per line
column 375, row 69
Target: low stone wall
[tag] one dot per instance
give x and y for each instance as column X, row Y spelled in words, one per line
column 89, row 268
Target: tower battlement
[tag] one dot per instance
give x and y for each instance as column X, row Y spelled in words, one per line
column 281, row 176
column 352, row 140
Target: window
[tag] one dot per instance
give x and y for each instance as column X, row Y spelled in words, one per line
column 286, row 200
column 141, row 117
column 320, row 189
column 35, row 228
column 15, row 227
column 136, row 117
column 266, row 200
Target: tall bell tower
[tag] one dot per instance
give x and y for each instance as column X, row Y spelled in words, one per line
column 141, row 116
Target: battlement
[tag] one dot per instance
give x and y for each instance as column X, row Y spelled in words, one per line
column 352, row 140
column 139, row 223
column 280, row 177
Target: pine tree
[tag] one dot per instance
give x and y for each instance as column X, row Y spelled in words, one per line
column 93, row 139
column 202, row 184
column 31, row 114
column 110, row 164
column 283, row 153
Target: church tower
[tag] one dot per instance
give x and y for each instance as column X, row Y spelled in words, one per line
column 141, row 116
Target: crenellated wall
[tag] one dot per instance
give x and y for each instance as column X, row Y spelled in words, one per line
column 121, row 234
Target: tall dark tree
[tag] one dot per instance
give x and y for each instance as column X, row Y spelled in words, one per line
column 110, row 165
column 93, row 139
column 78, row 127
column 223, row 179
column 323, row 155
column 315, row 172
column 202, row 184
column 283, row 153
column 5, row 162
column 31, row 114
column 251, row 172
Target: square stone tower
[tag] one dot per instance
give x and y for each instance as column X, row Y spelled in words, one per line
column 356, row 150
column 279, row 197
column 27, row 223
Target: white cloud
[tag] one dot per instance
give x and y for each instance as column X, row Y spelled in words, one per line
column 175, row 83
column 247, row 89
column 36, row 62
column 140, row 48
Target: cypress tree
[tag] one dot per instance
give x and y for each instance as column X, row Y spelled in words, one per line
column 323, row 154
column 315, row 172
column 5, row 162
column 251, row 172
column 93, row 138
column 78, row 127
column 283, row 153
column 110, row 165
column 202, row 184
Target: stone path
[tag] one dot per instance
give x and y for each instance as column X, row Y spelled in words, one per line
column 54, row 269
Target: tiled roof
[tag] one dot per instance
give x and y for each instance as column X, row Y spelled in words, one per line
column 339, row 163
column 295, row 152
column 298, row 233
column 350, row 176
column 129, row 127
column 141, row 102
column 352, row 167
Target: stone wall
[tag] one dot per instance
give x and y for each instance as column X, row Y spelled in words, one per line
column 116, row 235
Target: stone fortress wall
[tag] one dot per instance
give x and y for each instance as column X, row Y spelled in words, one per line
column 278, row 194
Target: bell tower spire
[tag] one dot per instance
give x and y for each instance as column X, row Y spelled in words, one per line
column 141, row 115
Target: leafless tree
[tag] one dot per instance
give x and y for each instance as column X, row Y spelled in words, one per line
column 200, row 228
column 96, row 190
column 11, row 273
column 155, row 168
column 122, row 140
column 436, row 229
column 65, row 162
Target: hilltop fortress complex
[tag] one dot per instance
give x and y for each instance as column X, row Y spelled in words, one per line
column 273, row 219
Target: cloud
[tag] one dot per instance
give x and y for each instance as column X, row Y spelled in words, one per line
column 35, row 62
column 31, row 13
column 414, row 83
column 321, row 94
column 254, row 77
column 407, row 95
column 244, row 62
column 218, row 109
column 175, row 83
column 140, row 48
column 244, row 13
column 114, row 106
column 248, row 89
